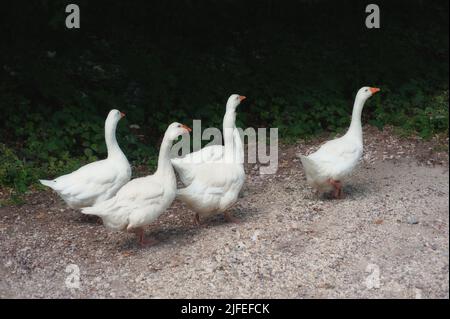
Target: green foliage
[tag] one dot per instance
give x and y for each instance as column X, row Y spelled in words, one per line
column 415, row 113
column 300, row 64
column 14, row 172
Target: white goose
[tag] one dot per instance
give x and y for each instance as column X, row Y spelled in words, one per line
column 214, row 175
column 327, row 167
column 143, row 200
column 97, row 181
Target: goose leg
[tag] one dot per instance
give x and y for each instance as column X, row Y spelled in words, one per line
column 230, row 218
column 141, row 238
column 341, row 192
column 337, row 188
column 197, row 220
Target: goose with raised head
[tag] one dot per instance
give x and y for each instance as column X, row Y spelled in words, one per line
column 214, row 175
column 333, row 161
column 144, row 199
column 97, row 181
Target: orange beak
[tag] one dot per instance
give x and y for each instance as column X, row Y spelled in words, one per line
column 122, row 114
column 374, row 90
column 187, row 128
column 242, row 98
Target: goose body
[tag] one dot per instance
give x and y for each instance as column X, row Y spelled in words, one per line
column 335, row 160
column 97, row 181
column 214, row 175
column 214, row 188
column 142, row 200
column 187, row 165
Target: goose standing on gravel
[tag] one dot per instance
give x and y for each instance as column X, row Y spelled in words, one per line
column 143, row 200
column 336, row 159
column 214, row 175
column 97, row 181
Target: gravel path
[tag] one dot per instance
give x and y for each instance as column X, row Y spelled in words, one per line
column 388, row 238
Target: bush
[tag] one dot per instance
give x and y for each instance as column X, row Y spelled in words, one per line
column 414, row 114
column 299, row 63
column 15, row 173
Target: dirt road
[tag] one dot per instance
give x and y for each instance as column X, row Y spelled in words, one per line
column 387, row 238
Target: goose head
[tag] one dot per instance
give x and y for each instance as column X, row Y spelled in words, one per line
column 365, row 92
column 175, row 130
column 114, row 116
column 233, row 101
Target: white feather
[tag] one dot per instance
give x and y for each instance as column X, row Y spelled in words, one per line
column 142, row 200
column 214, row 175
column 97, row 181
column 336, row 159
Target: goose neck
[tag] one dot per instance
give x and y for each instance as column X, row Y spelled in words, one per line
column 111, row 141
column 355, row 128
column 228, row 136
column 164, row 164
column 238, row 145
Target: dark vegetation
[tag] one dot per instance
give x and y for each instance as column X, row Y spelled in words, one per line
column 299, row 63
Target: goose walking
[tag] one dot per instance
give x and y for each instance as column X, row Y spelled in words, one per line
column 214, row 175
column 327, row 167
column 97, row 181
column 143, row 200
